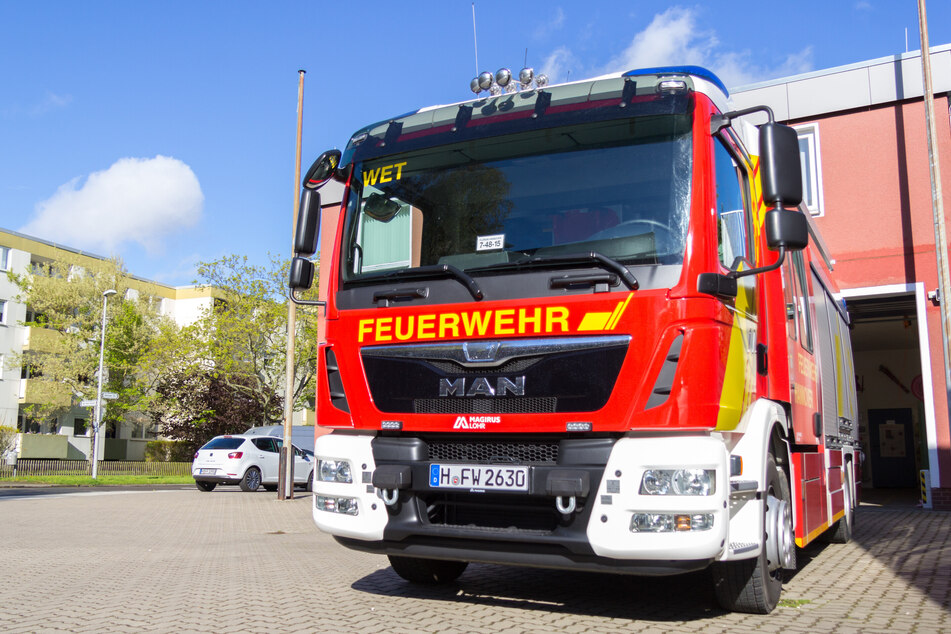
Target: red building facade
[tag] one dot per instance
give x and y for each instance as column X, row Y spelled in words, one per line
column 864, row 147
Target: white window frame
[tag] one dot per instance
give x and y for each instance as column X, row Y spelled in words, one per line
column 809, row 132
column 4, row 309
column 4, row 258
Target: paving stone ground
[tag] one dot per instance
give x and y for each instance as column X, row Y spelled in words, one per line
column 226, row 561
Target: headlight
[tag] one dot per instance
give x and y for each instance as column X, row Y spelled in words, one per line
column 346, row 506
column 679, row 482
column 334, row 471
column 670, row 522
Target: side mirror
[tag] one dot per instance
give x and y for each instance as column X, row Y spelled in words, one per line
column 308, row 223
column 322, row 170
column 780, row 169
column 786, row 229
column 302, row 274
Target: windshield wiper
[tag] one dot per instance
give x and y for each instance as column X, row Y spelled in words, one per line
column 581, row 257
column 434, row 270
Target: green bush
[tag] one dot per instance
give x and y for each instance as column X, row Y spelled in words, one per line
column 168, row 451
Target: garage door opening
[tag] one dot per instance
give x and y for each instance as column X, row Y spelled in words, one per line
column 891, row 399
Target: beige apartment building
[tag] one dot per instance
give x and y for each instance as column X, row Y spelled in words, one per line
column 69, row 435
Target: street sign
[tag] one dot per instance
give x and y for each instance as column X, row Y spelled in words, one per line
column 109, row 396
column 88, row 403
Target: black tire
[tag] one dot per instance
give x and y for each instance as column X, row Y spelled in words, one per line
column 310, row 482
column 206, row 486
column 270, row 487
column 427, row 571
column 748, row 585
column 251, row 480
column 841, row 533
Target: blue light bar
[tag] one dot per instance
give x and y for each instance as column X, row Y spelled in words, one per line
column 697, row 71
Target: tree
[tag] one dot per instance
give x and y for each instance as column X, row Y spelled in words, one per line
column 196, row 407
column 64, row 300
column 237, row 347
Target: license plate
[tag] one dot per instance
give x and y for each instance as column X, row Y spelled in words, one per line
column 207, row 471
column 488, row 477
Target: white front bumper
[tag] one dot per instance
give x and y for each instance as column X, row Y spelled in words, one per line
column 617, row 499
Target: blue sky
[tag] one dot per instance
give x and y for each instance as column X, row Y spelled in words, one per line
column 164, row 132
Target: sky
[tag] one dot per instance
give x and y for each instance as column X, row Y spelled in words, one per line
column 165, row 132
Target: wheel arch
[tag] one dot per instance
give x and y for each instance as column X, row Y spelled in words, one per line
column 763, row 428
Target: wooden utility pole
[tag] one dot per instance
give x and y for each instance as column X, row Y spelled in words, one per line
column 937, row 202
column 285, row 485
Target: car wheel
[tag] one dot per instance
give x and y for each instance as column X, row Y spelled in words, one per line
column 206, row 486
column 251, row 480
column 427, row 571
column 310, row 482
column 270, row 487
column 754, row 585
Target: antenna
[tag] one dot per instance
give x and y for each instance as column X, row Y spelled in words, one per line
column 525, row 65
column 475, row 42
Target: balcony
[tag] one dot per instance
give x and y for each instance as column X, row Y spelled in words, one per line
column 41, row 339
column 47, row 392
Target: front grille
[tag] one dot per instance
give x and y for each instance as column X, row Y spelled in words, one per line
column 521, row 405
column 510, row 452
column 492, row 513
column 509, row 367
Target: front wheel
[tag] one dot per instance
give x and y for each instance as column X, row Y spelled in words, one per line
column 251, row 480
column 206, row 486
column 754, row 585
column 427, row 571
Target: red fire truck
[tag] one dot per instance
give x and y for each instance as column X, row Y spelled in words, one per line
column 583, row 326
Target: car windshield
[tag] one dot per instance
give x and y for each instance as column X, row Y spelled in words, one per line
column 223, row 443
column 619, row 188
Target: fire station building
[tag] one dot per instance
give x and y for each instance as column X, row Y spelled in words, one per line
column 863, row 143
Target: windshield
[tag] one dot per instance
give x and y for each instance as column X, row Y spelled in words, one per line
column 618, row 188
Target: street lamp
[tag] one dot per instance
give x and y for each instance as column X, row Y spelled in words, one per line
column 102, row 349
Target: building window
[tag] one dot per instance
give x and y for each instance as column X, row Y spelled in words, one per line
column 79, row 427
column 810, row 159
column 3, row 311
column 4, row 258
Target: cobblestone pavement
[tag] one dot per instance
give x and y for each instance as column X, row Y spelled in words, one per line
column 226, row 561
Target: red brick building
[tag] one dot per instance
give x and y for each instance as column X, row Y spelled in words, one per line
column 867, row 182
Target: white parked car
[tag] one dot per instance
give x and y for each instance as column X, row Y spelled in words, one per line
column 249, row 462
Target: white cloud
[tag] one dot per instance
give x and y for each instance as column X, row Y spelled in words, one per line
column 674, row 37
column 50, row 102
column 559, row 64
column 135, row 200
column 555, row 22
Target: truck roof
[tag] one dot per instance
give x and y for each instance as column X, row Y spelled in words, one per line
column 623, row 86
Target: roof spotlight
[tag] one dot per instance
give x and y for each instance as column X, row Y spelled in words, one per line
column 525, row 77
column 503, row 76
column 474, row 85
column 541, row 80
column 485, row 80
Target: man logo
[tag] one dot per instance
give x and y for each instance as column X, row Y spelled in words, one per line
column 481, row 387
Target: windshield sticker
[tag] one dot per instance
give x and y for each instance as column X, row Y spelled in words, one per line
column 384, row 174
column 488, row 243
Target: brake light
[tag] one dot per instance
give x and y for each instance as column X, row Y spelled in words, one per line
column 196, row 456
column 234, row 455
